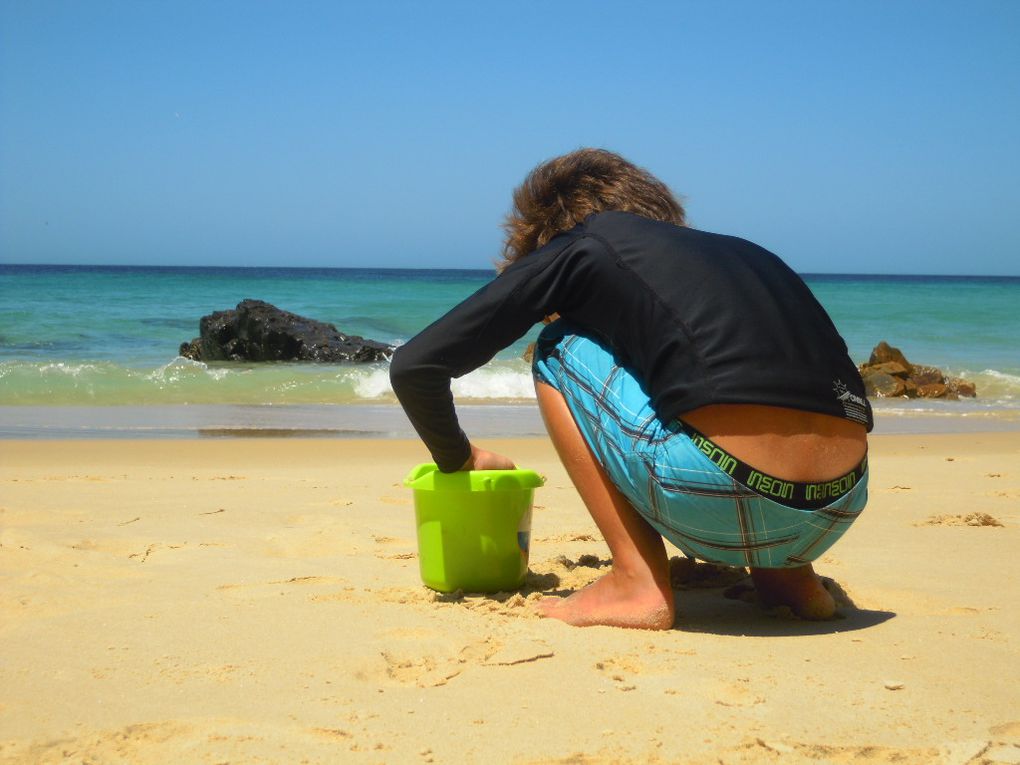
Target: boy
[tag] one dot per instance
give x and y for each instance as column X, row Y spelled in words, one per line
column 690, row 382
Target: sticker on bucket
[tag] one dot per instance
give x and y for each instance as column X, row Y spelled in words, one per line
column 524, row 541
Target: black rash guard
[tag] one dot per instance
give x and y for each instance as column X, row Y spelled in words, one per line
column 699, row 318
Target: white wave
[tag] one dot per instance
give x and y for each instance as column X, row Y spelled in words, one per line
column 373, row 383
column 1003, row 376
column 181, row 368
column 487, row 383
column 71, row 370
column 498, row 383
column 995, row 387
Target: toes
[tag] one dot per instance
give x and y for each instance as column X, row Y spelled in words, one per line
column 548, row 604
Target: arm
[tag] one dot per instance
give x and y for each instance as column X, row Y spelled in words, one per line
column 463, row 340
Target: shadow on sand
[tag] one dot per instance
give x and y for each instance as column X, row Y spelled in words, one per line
column 709, row 611
column 712, row 599
column 721, row 600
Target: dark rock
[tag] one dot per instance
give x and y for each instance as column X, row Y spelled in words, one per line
column 882, row 385
column 884, row 352
column 258, row 331
column 192, row 350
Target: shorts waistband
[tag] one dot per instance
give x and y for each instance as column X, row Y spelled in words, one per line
column 796, row 494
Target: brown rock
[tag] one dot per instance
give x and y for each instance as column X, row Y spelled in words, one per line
column 933, row 390
column 882, row 385
column 894, row 368
column 962, row 387
column 923, row 374
column 884, row 352
column 888, row 373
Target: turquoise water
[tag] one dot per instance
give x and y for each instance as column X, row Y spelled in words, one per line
column 102, row 336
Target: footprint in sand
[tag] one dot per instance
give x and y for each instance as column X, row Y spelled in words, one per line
column 424, row 668
column 970, row 519
column 1007, row 733
column 738, row 694
column 619, row 669
column 423, row 672
column 432, row 670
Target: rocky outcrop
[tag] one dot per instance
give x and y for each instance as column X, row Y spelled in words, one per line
column 888, row 374
column 259, row 331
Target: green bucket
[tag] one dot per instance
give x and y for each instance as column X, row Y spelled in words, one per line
column 474, row 527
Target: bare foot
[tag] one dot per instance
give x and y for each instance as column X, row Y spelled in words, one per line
column 799, row 588
column 613, row 602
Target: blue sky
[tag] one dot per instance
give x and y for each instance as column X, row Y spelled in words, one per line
column 864, row 137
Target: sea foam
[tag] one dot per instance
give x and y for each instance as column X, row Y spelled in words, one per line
column 183, row 381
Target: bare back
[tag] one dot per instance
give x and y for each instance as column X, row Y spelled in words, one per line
column 787, row 443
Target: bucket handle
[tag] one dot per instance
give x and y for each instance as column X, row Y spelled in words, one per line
column 419, row 471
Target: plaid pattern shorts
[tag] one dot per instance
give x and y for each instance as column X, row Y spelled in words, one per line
column 686, row 497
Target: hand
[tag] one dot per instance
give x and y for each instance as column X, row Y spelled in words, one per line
column 481, row 459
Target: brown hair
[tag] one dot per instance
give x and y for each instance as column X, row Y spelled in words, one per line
column 563, row 191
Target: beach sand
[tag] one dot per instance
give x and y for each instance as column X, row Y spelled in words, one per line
column 258, row 600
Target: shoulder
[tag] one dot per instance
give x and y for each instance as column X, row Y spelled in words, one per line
column 563, row 251
column 629, row 230
column 618, row 222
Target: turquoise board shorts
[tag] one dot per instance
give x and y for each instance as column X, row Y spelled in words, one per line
column 684, row 495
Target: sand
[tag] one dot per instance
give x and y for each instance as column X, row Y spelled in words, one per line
column 219, row 600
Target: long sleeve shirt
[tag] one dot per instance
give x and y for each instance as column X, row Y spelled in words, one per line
column 700, row 319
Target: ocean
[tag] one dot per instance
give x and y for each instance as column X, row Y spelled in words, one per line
column 93, row 350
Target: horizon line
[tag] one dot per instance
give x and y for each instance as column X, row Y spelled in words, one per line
column 445, row 268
